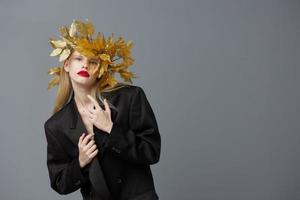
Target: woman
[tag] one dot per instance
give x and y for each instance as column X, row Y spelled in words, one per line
column 104, row 147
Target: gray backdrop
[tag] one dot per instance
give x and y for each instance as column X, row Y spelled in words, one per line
column 222, row 78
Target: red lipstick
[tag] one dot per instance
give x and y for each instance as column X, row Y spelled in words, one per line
column 83, row 73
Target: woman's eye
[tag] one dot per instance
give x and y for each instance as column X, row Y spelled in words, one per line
column 78, row 58
column 94, row 62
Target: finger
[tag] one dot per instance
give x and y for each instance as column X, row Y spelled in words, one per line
column 91, row 149
column 88, row 146
column 85, row 140
column 91, row 143
column 94, row 102
column 92, row 155
column 80, row 110
column 91, row 110
column 91, row 116
column 81, row 138
column 106, row 106
column 91, row 113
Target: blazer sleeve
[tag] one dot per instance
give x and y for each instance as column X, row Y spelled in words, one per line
column 141, row 143
column 65, row 174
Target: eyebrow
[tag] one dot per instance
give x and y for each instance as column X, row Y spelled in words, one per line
column 93, row 59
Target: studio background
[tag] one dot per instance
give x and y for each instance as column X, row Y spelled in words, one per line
column 221, row 76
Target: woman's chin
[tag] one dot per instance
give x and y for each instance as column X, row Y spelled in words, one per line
column 85, row 83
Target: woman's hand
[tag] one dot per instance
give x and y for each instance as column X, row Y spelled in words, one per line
column 86, row 120
column 87, row 149
column 99, row 117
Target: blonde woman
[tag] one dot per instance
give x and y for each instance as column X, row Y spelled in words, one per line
column 99, row 141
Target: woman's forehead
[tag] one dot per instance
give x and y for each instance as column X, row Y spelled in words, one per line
column 76, row 53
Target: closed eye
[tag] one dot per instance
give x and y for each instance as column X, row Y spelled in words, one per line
column 94, row 62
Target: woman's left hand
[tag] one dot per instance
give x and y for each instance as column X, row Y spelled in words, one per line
column 99, row 117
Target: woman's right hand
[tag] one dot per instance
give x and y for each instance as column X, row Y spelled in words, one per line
column 87, row 149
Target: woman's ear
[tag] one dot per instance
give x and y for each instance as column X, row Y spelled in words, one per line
column 66, row 65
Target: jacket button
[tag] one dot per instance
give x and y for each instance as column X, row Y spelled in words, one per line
column 119, row 180
column 116, row 149
column 77, row 183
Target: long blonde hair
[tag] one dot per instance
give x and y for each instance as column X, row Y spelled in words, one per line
column 65, row 89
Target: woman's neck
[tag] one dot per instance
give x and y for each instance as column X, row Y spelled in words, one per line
column 80, row 95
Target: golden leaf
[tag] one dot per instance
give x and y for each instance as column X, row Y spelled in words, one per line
column 126, row 75
column 105, row 57
column 53, row 82
column 72, row 29
column 89, row 27
column 97, row 43
column 109, row 80
column 117, row 67
column 58, row 43
column 114, row 56
column 54, row 70
column 69, row 41
column 103, row 68
column 129, row 43
column 56, row 52
column 64, row 31
column 64, row 55
column 112, row 81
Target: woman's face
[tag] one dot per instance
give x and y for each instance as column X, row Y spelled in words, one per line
column 80, row 69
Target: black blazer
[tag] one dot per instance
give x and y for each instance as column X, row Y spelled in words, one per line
column 121, row 169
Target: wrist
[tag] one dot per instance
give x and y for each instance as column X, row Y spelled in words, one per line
column 81, row 164
column 109, row 128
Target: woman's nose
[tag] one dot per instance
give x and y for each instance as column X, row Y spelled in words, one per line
column 85, row 65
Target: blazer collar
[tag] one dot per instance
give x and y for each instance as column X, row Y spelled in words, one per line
column 73, row 121
column 75, row 128
column 74, row 113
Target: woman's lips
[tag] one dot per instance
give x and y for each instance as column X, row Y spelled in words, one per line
column 83, row 73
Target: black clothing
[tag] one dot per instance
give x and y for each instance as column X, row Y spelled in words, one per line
column 121, row 169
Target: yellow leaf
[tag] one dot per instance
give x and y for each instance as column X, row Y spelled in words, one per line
column 105, row 57
column 69, row 41
column 72, row 29
column 89, row 27
column 126, row 75
column 54, row 70
column 111, row 81
column 53, row 82
column 129, row 43
column 63, row 31
column 113, row 55
column 56, row 52
column 58, row 43
column 103, row 68
column 64, row 55
column 97, row 43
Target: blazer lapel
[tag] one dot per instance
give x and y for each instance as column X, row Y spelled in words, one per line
column 74, row 121
column 75, row 129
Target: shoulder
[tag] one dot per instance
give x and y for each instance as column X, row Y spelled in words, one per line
column 55, row 119
column 126, row 91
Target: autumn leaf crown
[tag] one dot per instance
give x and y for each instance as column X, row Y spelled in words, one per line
column 114, row 56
